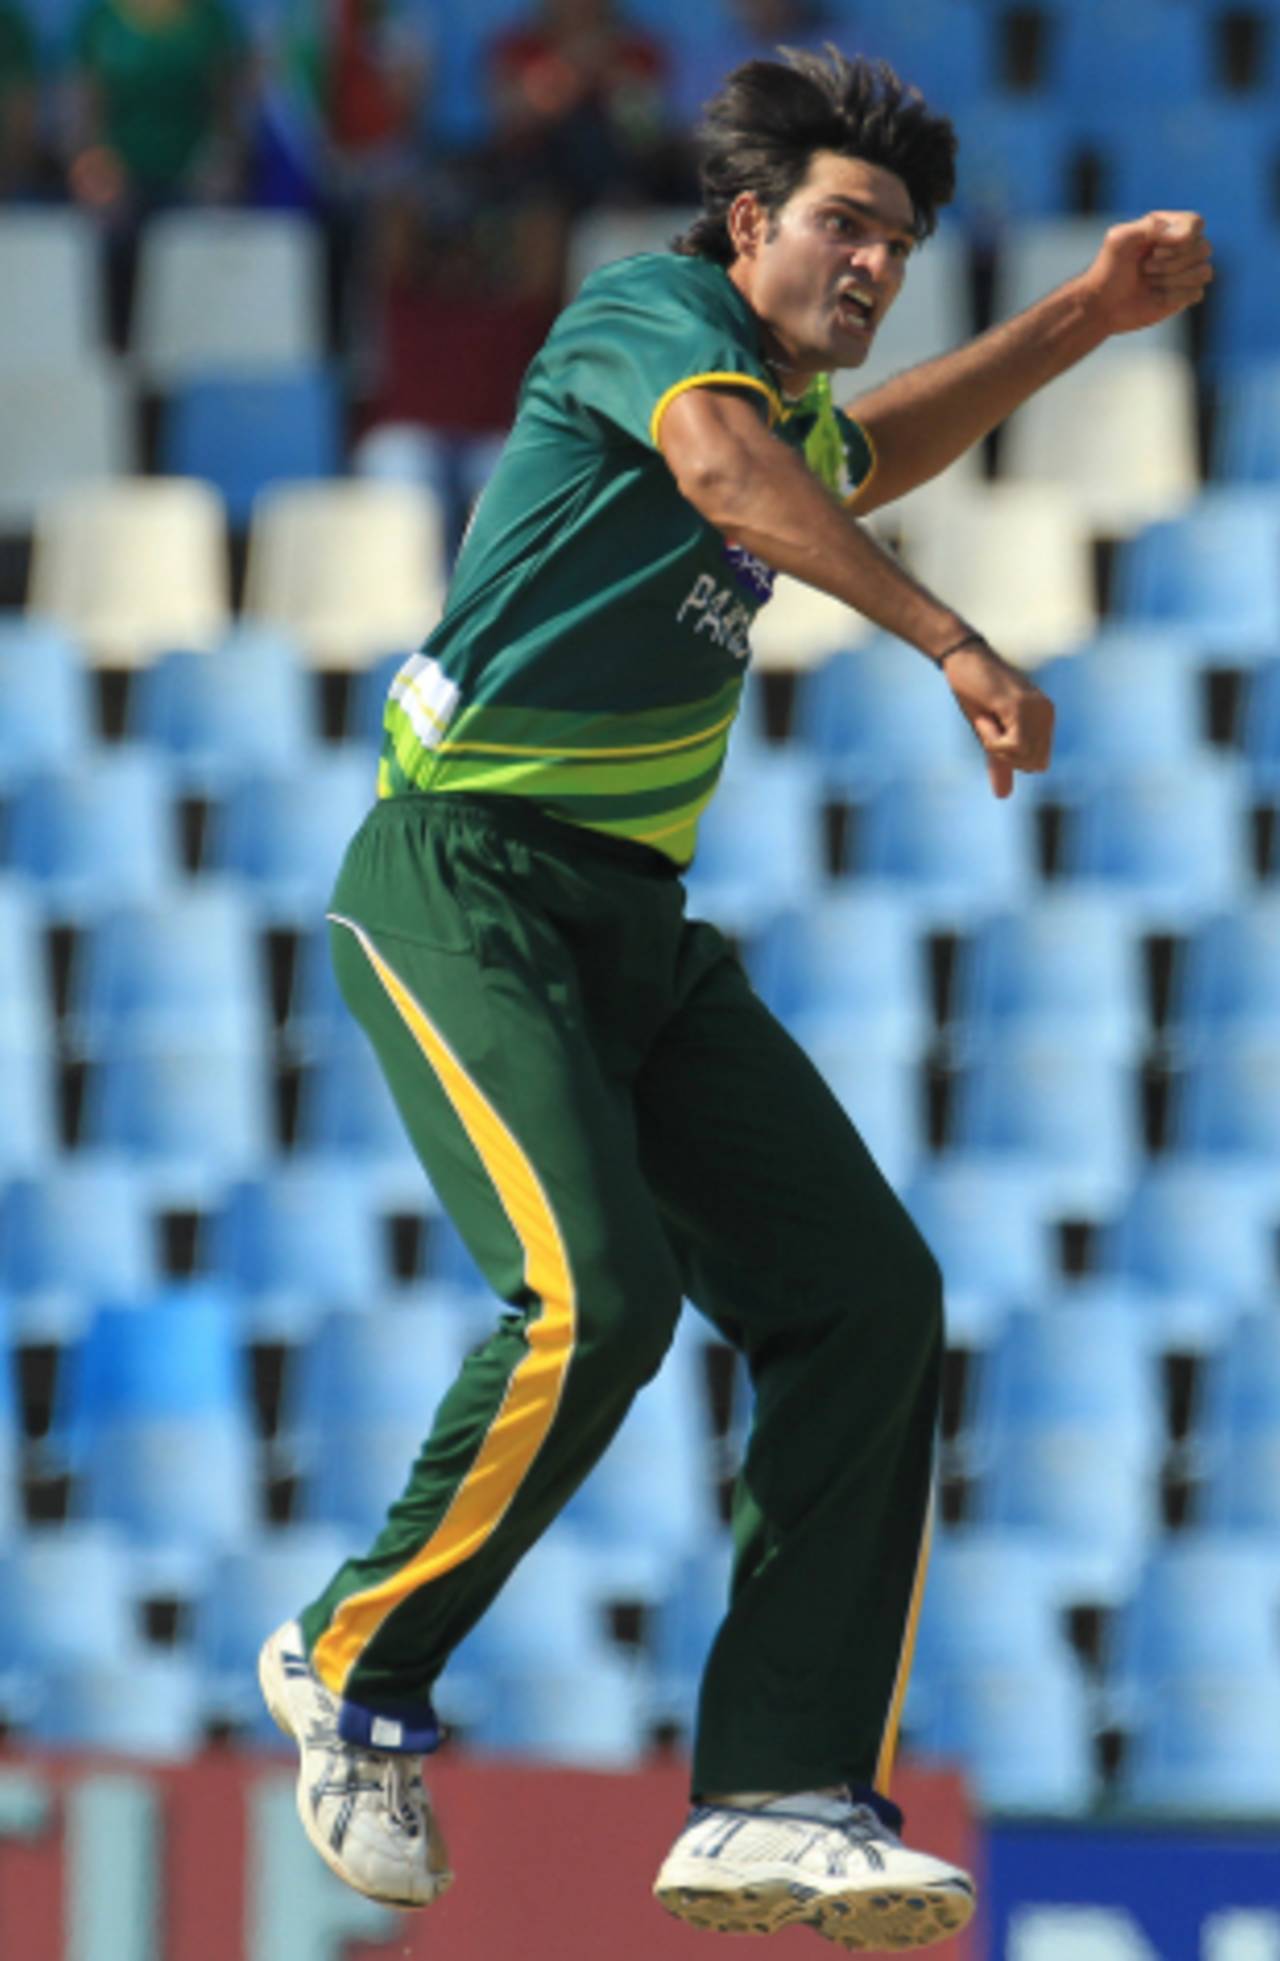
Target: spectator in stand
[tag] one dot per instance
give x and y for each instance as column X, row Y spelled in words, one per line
column 461, row 295
column 156, row 117
column 581, row 105
column 19, row 147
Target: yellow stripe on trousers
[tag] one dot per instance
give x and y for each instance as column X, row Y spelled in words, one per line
column 528, row 1408
column 889, row 1741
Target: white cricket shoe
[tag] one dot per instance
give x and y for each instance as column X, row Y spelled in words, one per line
column 365, row 1810
column 817, row 1860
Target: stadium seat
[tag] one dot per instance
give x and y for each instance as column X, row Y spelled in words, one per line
column 364, row 1395
column 1018, row 157
column 883, row 1094
column 29, row 1133
column 133, row 567
column 867, row 716
column 319, row 1020
column 589, row 1714
column 97, row 835
column 237, row 292
column 992, row 1598
column 1202, row 1600
column 1227, row 1101
column 245, row 433
column 1228, row 976
column 1240, row 328
column 71, row 1598
column 801, row 627
column 1120, row 705
column 1246, row 430
column 46, row 707
column 351, row 570
column 1215, row 570
column 80, row 1232
column 26, row 998
column 1120, row 437
column 1237, row 1430
column 1073, row 1117
column 1199, row 1227
column 1017, row 557
column 1172, row 840
column 944, row 50
column 1068, row 969
column 49, row 275
column 851, row 965
column 1103, row 59
column 991, row 1232
column 951, row 847
column 1208, row 1746
column 1261, row 732
column 245, row 708
column 285, row 833
column 160, row 975
column 248, row 1594
column 148, row 1705
column 599, row 236
column 1219, row 161
column 759, row 843
column 685, row 1623
column 309, row 1229
column 193, row 1118
column 62, row 425
column 1021, row 1729
column 345, row 1109
column 1039, row 254
column 153, row 1420
column 10, row 1435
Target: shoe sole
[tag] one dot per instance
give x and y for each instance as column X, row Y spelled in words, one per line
column 270, row 1681
column 888, row 1920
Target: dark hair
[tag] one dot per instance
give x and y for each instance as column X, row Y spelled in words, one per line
column 770, row 118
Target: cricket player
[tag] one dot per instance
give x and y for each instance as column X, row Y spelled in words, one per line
column 612, row 1118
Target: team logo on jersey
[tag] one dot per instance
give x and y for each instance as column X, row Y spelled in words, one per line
column 751, row 572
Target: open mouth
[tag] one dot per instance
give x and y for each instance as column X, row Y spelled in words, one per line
column 856, row 309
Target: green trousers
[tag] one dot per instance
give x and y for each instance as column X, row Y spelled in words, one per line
column 616, row 1122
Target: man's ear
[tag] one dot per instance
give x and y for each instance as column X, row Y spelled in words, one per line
column 748, row 222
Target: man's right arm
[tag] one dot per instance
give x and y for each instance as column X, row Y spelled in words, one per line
column 763, row 496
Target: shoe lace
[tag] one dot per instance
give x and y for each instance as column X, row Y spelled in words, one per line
column 351, row 1772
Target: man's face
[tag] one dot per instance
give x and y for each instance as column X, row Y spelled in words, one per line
column 825, row 270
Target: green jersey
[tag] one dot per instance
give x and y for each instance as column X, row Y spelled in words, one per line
column 594, row 642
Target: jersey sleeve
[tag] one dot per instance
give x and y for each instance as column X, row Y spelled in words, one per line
column 635, row 341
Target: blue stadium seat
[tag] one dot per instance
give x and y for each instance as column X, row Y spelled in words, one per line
column 247, row 1595
column 871, row 713
column 286, row 834
column 26, row 997
column 346, row 1109
column 590, row 1714
column 944, row 49
column 759, row 843
column 1209, row 1745
column 1018, row 153
column 1246, row 432
column 46, row 704
column 1174, row 842
column 1073, row 1117
column 989, row 1230
column 883, row 1093
column 1120, row 707
column 1215, row 571
column 852, row 964
column 954, row 848
column 193, row 1118
column 1228, row 976
column 1068, row 1437
column 242, row 433
column 97, row 834
column 148, row 1705
column 366, row 1391
column 81, row 1231
column 1237, row 1432
column 1103, row 58
column 1262, row 730
column 1068, row 969
column 1218, row 159
column 1202, row 1600
column 310, row 1228
column 153, row 1420
column 685, row 1624
column 248, row 706
column 1227, row 1102
column 1199, row 1227
column 1021, row 1729
column 10, row 1434
column 1240, row 328
column 160, row 976
column 70, row 1594
column 369, row 690
column 319, row 1020
column 29, row 1134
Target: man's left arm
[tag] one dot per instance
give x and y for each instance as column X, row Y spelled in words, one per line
column 924, row 419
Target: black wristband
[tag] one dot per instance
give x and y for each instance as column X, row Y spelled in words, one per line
column 974, row 639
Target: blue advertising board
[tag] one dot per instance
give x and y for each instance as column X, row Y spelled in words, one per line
column 1124, row 1892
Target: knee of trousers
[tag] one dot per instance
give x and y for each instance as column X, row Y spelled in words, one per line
column 904, row 1294
column 627, row 1310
